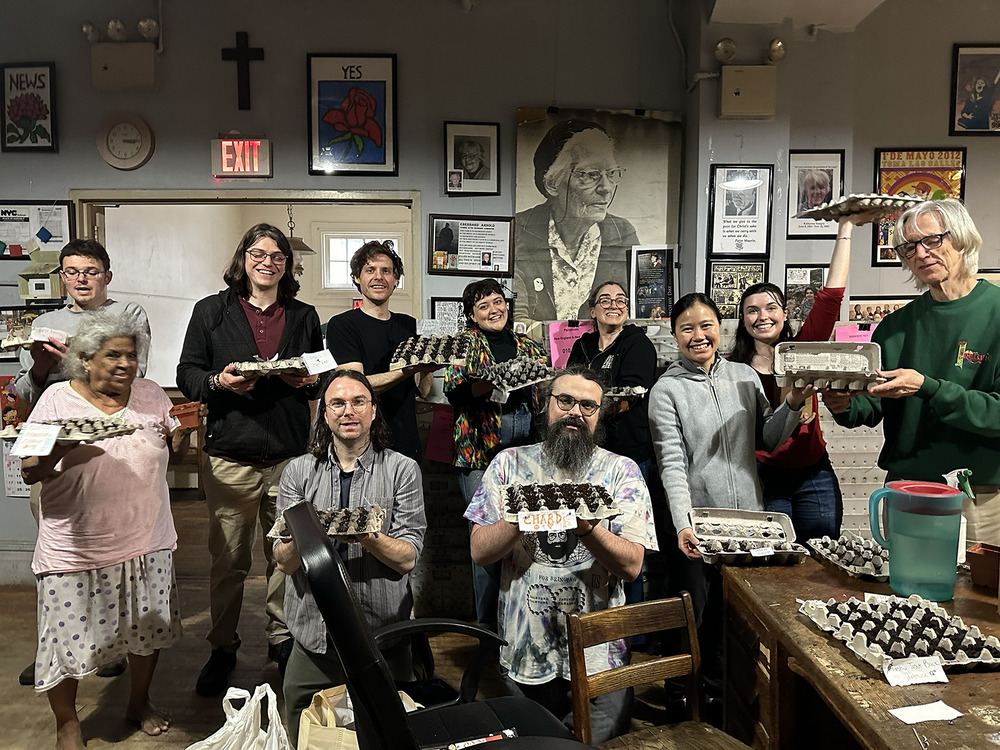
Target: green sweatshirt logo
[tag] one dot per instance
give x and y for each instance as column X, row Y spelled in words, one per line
column 964, row 355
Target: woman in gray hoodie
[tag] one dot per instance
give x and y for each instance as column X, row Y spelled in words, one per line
column 707, row 416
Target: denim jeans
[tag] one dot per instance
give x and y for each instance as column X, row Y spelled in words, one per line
column 810, row 495
column 514, row 428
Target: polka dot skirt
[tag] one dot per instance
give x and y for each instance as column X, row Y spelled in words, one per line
column 94, row 617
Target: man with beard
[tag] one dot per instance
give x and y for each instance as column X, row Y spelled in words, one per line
column 547, row 575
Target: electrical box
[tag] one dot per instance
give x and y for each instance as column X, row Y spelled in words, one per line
column 123, row 65
column 748, row 92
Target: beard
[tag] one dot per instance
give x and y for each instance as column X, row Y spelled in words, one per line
column 570, row 450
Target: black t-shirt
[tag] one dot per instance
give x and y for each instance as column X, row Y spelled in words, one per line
column 355, row 336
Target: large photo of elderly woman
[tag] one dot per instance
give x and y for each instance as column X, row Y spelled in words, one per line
column 590, row 185
column 814, row 178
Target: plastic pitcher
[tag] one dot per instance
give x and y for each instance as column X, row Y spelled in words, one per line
column 922, row 522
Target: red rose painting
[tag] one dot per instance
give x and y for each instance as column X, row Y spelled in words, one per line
column 355, row 120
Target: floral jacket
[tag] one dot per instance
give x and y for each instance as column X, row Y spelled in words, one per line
column 477, row 421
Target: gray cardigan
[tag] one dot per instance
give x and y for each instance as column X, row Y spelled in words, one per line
column 705, row 429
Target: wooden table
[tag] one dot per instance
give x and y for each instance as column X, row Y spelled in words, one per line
column 775, row 655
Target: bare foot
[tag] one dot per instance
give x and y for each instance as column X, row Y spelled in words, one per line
column 150, row 719
column 68, row 737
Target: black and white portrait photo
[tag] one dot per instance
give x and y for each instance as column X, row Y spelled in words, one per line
column 590, row 186
column 471, row 151
column 740, row 209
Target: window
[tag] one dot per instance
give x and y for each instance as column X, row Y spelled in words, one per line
column 339, row 247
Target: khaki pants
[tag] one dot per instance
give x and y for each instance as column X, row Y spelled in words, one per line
column 983, row 515
column 237, row 494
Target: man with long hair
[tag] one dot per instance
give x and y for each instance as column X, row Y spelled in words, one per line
column 350, row 465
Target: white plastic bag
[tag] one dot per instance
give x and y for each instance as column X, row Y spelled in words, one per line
column 242, row 730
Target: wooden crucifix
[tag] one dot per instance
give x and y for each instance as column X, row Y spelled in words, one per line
column 242, row 54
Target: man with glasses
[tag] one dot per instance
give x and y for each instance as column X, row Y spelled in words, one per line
column 941, row 357
column 571, row 241
column 547, row 575
column 255, row 425
column 350, row 466
column 85, row 269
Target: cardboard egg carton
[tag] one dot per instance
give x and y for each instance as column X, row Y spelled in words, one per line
column 291, row 366
column 431, row 350
column 626, row 392
column 858, row 557
column 859, row 203
column 898, row 628
column 589, row 501
column 26, row 335
column 745, row 537
column 79, row 429
column 516, row 373
column 841, row 365
column 338, row 522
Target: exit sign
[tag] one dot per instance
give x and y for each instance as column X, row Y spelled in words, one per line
column 241, row 157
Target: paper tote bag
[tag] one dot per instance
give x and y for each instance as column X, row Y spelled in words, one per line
column 242, row 730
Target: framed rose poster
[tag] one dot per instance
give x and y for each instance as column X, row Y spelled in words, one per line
column 352, row 114
column 28, row 109
column 928, row 173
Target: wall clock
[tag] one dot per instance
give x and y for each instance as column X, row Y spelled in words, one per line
column 125, row 141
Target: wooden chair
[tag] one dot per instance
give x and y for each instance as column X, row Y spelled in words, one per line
column 607, row 625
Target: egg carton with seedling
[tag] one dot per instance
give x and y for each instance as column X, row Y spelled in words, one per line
column 840, row 365
column 431, row 350
column 745, row 537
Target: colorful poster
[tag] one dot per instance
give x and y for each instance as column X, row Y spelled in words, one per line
column 652, row 281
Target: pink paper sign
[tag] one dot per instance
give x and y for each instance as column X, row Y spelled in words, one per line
column 854, row 333
column 562, row 336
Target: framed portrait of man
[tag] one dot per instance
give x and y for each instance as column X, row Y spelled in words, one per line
column 975, row 78
column 740, row 209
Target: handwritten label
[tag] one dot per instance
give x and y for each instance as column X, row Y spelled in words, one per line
column 35, row 439
column 916, row 670
column 318, row 362
column 546, row 520
column 762, row 552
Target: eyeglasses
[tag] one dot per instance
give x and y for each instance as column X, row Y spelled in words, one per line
column 609, row 302
column 590, row 177
column 259, row 256
column 72, row 273
column 337, row 407
column 566, row 403
column 930, row 242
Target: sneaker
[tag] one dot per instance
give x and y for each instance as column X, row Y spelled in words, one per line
column 214, row 676
column 279, row 653
column 112, row 669
column 27, row 676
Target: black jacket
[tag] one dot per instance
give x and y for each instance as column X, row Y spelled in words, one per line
column 629, row 361
column 271, row 421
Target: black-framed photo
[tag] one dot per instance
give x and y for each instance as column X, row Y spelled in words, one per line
column 470, row 245
column 872, row 308
column 975, row 75
column 740, row 209
column 472, row 158
column 927, row 173
column 51, row 223
column 727, row 278
column 352, row 114
column 27, row 111
column 802, row 283
column 13, row 320
column 652, row 280
column 814, row 178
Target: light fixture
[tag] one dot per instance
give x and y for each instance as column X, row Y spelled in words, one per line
column 776, row 50
column 116, row 30
column 297, row 244
column 725, row 50
column 149, row 29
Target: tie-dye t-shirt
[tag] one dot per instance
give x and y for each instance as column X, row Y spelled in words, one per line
column 549, row 575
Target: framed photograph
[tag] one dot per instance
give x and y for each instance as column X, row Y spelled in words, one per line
column 652, row 280
column 802, row 282
column 13, row 319
column 470, row 245
column 449, row 309
column 472, row 158
column 739, row 209
column 929, row 173
column 814, row 178
column 728, row 277
column 28, row 111
column 352, row 114
column 871, row 309
column 975, row 74
column 991, row 275
column 51, row 223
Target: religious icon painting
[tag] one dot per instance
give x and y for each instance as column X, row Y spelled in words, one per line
column 352, row 114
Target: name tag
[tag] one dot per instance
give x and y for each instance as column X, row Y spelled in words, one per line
column 546, row 520
column 319, row 362
column 762, row 552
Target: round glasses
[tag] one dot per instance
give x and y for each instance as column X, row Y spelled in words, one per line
column 930, row 242
column 590, row 177
column 337, row 406
column 259, row 256
column 588, row 407
column 608, row 302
